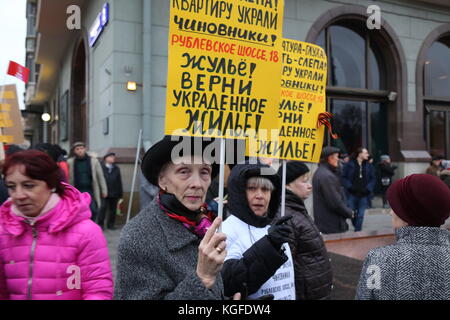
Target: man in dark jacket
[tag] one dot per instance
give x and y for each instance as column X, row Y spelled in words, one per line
column 86, row 174
column 114, row 183
column 312, row 268
column 358, row 178
column 330, row 209
column 386, row 171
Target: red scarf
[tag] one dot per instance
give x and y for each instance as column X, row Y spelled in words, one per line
column 199, row 227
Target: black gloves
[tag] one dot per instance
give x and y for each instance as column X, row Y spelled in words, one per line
column 279, row 232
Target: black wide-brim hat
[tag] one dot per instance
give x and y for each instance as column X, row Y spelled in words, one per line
column 160, row 154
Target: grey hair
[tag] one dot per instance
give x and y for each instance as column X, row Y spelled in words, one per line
column 261, row 182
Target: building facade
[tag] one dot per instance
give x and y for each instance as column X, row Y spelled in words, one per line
column 388, row 86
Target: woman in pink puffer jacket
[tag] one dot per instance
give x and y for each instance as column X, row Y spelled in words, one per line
column 49, row 247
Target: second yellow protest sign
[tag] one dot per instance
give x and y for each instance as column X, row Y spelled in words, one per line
column 224, row 67
column 302, row 99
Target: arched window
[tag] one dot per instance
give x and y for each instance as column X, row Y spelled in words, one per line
column 357, row 87
column 437, row 97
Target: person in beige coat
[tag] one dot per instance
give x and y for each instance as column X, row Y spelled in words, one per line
column 86, row 174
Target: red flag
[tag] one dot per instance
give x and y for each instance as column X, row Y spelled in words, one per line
column 18, row 71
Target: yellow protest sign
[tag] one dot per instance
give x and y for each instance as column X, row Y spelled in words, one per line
column 224, row 67
column 6, row 123
column 5, row 107
column 6, row 139
column 4, row 116
column 302, row 99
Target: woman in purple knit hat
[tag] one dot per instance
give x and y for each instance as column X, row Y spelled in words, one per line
column 417, row 266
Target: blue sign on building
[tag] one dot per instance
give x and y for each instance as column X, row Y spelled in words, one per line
column 99, row 24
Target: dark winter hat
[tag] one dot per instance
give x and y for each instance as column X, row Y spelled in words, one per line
column 47, row 148
column 438, row 157
column 328, row 151
column 294, row 169
column 420, row 200
column 109, row 154
column 160, row 154
column 13, row 148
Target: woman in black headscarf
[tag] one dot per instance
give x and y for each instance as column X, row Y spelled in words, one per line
column 259, row 261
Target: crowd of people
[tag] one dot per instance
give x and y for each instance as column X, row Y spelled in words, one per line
column 52, row 245
column 102, row 180
column 440, row 168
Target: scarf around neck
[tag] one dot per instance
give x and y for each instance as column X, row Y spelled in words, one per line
column 197, row 221
column 51, row 203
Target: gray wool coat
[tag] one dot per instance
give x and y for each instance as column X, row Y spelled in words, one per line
column 330, row 209
column 157, row 259
column 417, row 267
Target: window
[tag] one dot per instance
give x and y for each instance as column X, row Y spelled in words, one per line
column 31, row 26
column 30, row 44
column 357, row 88
column 31, row 9
column 37, row 68
column 437, row 98
column 437, row 71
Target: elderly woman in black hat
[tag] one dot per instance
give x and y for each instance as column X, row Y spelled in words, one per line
column 171, row 250
column 417, row 266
